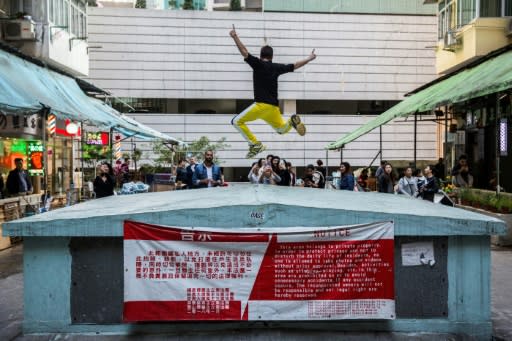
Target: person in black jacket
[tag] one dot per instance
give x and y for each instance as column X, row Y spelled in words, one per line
column 18, row 181
column 190, row 172
column 181, row 175
column 430, row 188
column 104, row 183
column 386, row 180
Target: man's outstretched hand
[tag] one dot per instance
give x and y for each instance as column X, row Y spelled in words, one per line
column 303, row 62
column 232, row 33
column 312, row 56
column 239, row 44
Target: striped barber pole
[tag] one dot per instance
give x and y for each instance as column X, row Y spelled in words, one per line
column 117, row 150
column 51, row 124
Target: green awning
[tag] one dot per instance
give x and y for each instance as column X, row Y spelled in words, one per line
column 27, row 87
column 491, row 76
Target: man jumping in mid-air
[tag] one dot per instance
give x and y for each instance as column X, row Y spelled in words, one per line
column 266, row 104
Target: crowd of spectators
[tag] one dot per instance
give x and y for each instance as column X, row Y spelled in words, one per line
column 272, row 170
column 414, row 183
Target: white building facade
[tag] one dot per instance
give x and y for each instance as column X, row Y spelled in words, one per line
column 182, row 69
column 54, row 31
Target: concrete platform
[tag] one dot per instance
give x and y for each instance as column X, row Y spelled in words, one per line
column 459, row 305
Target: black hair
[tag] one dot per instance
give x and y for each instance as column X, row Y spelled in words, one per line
column 347, row 167
column 266, row 52
column 110, row 169
column 310, row 166
column 276, row 167
column 319, row 162
column 463, row 157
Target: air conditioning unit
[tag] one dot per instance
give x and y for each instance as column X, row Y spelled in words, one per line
column 450, row 41
column 19, row 30
column 508, row 28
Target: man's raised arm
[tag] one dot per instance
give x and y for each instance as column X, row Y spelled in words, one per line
column 239, row 44
column 303, row 62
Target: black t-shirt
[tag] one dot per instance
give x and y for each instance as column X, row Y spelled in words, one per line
column 264, row 78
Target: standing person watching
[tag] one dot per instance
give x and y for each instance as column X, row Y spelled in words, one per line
column 346, row 181
column 313, row 178
column 181, row 175
column 439, row 169
column 104, row 182
column 407, row 184
column 461, row 176
column 430, row 188
column 190, row 172
column 125, row 171
column 266, row 103
column 362, row 180
column 18, row 182
column 293, row 175
column 269, row 177
column 207, row 174
column 320, row 167
column 386, row 180
column 254, row 173
column 379, row 172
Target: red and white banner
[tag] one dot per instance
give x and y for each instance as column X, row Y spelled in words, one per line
column 343, row 272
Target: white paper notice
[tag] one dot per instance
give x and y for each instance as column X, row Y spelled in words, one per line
column 421, row 253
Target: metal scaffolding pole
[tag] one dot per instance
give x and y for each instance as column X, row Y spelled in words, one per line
column 415, row 137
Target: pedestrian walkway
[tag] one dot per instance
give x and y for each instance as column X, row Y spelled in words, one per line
column 501, row 297
column 11, row 310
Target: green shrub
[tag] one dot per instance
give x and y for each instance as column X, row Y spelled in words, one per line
column 486, row 199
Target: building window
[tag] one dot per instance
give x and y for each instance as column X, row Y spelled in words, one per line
column 447, row 17
column 466, row 11
column 490, row 8
column 453, row 14
column 508, row 8
column 70, row 15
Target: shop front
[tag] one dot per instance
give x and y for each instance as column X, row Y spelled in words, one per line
column 20, row 138
column 479, row 129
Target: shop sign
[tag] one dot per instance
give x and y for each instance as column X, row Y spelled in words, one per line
column 61, row 129
column 304, row 273
column 18, row 125
column 18, row 146
column 35, row 151
column 99, row 138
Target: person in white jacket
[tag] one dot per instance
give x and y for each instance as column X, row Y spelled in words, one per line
column 408, row 185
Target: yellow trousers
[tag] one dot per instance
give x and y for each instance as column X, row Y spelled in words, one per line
column 260, row 111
